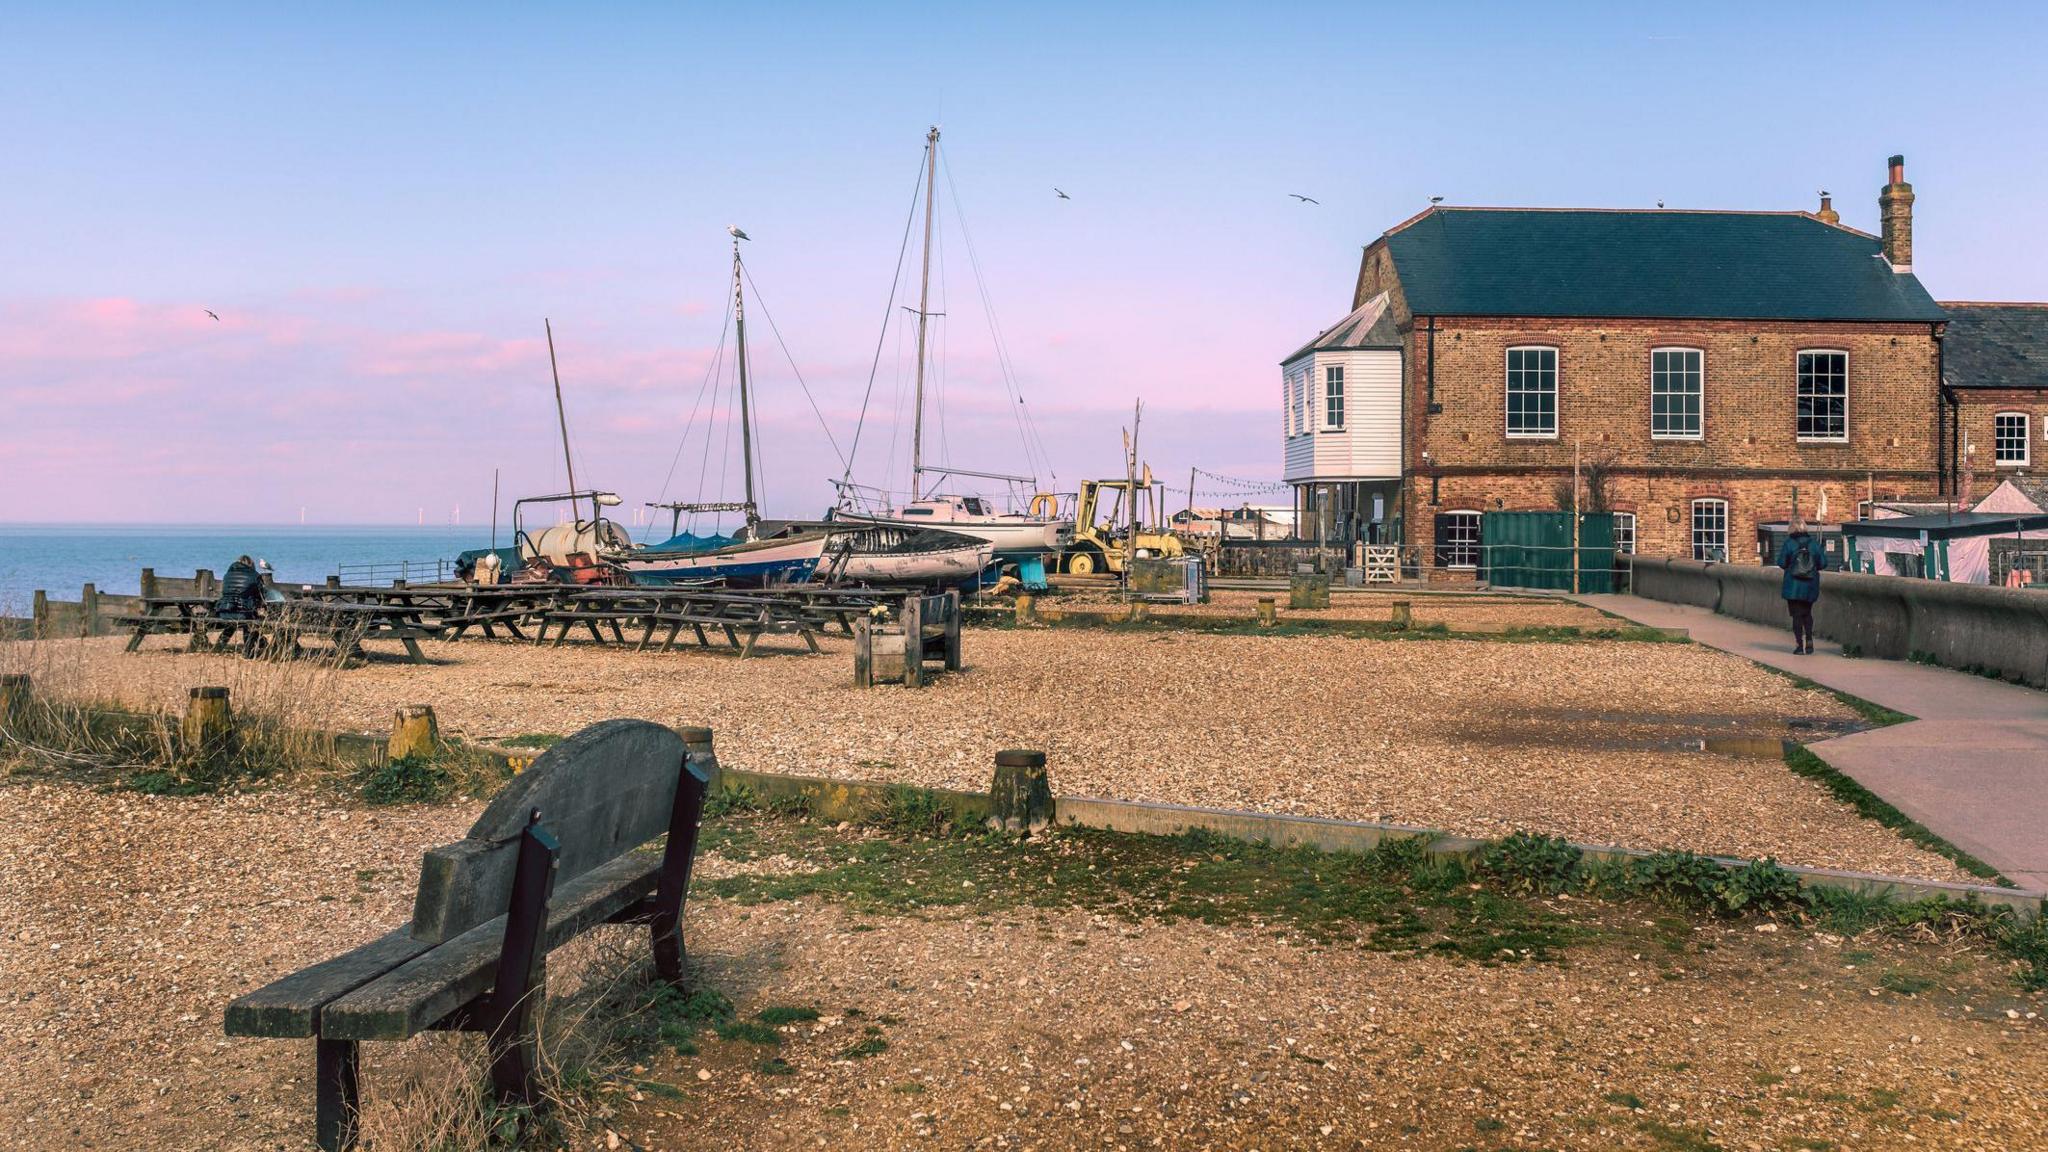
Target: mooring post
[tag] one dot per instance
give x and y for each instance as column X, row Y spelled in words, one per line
column 1027, row 606
column 334, row 581
column 39, row 615
column 913, row 642
column 953, row 630
column 1137, row 612
column 208, row 729
column 1402, row 618
column 202, row 582
column 14, row 696
column 1269, row 612
column 149, row 591
column 1020, row 797
column 89, row 610
column 864, row 653
column 415, row 734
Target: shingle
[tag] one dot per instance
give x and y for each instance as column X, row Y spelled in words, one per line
column 1996, row 345
column 1648, row 264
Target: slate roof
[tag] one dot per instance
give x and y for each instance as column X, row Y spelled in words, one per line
column 1996, row 345
column 1370, row 325
column 1654, row 264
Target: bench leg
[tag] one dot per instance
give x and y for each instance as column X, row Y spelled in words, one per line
column 135, row 641
column 337, row 1097
column 412, row 649
column 666, row 924
column 522, row 969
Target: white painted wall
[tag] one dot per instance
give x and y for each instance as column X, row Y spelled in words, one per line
column 1368, row 447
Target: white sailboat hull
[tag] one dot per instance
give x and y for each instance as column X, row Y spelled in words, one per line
column 960, row 565
column 1011, row 535
column 785, row 561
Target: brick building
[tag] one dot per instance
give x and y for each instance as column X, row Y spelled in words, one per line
column 1702, row 366
column 1995, row 402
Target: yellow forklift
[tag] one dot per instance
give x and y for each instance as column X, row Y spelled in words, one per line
column 1099, row 546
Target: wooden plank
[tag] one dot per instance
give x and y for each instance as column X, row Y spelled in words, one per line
column 290, row 1006
column 419, row 994
column 602, row 792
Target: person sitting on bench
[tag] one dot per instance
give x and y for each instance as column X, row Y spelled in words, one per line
column 241, row 591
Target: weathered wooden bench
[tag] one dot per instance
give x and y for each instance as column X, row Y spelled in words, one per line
column 926, row 628
column 553, row 856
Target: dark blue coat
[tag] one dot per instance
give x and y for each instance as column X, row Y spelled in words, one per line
column 1795, row 588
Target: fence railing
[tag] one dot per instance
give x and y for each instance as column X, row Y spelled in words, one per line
column 410, row 571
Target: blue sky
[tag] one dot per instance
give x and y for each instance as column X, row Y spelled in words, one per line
column 382, row 203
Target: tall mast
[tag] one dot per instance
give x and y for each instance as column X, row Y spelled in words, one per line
column 739, row 314
column 562, row 418
column 931, row 175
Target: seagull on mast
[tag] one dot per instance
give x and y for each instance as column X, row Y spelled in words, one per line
column 1304, row 199
column 1061, row 195
column 212, row 313
column 736, row 233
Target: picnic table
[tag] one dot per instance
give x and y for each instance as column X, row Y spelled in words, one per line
column 169, row 615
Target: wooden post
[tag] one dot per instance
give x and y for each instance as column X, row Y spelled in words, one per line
column 864, row 654
column 1269, row 613
column 913, row 642
column 202, row 582
column 1027, row 608
column 15, row 689
column 1402, row 618
column 1137, row 612
column 334, row 581
column 208, row 729
column 149, row 589
column 1020, row 796
column 953, row 630
column 39, row 615
column 89, row 610
column 415, row 734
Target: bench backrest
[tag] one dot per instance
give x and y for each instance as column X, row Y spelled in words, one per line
column 602, row 792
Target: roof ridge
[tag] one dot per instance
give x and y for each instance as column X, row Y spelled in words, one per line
column 1993, row 303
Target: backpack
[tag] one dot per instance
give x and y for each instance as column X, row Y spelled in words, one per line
column 1802, row 566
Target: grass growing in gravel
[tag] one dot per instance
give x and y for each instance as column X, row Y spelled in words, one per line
column 1871, row 806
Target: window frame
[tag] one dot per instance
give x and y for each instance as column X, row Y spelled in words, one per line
column 1700, row 428
column 2026, row 438
column 1796, row 397
column 1508, row 392
column 1693, row 523
column 1333, row 374
column 1630, row 518
column 1478, row 525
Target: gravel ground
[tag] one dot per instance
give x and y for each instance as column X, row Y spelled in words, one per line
column 1474, row 737
column 129, row 921
column 1468, row 612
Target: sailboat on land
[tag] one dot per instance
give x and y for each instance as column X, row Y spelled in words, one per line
column 746, row 558
column 1011, row 535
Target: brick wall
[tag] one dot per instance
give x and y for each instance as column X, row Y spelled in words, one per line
column 1975, row 410
column 1749, row 453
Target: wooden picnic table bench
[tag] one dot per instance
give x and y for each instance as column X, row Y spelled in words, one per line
column 345, row 625
column 553, row 856
column 167, row 614
column 736, row 614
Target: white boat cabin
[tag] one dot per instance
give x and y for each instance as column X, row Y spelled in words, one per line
column 1340, row 397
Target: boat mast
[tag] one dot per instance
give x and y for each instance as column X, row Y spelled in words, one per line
column 739, row 314
column 562, row 418
column 931, row 158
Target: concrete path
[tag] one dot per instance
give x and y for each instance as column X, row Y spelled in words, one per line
column 1973, row 767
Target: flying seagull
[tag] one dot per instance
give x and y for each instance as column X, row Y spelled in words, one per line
column 1061, row 195
column 1304, row 199
column 736, row 233
column 212, row 313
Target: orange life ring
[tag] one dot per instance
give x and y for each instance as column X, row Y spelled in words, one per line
column 1045, row 505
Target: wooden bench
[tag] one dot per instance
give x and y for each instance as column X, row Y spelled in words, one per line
column 926, row 628
column 553, row 856
column 168, row 614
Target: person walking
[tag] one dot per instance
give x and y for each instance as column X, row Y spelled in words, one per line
column 1800, row 557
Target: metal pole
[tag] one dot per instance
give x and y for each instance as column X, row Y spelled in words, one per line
column 1131, row 480
column 931, row 157
column 494, row 509
column 562, row 418
column 1575, row 517
column 1191, row 508
column 739, row 314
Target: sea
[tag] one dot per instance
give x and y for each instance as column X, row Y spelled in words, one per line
column 61, row 558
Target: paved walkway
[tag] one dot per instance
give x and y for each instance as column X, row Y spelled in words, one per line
column 1973, row 767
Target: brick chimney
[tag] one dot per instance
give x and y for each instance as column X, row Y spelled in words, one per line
column 1895, row 213
column 1827, row 213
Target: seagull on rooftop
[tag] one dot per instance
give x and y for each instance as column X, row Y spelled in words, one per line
column 736, row 233
column 1436, row 199
column 1061, row 195
column 211, row 312
column 1304, row 199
